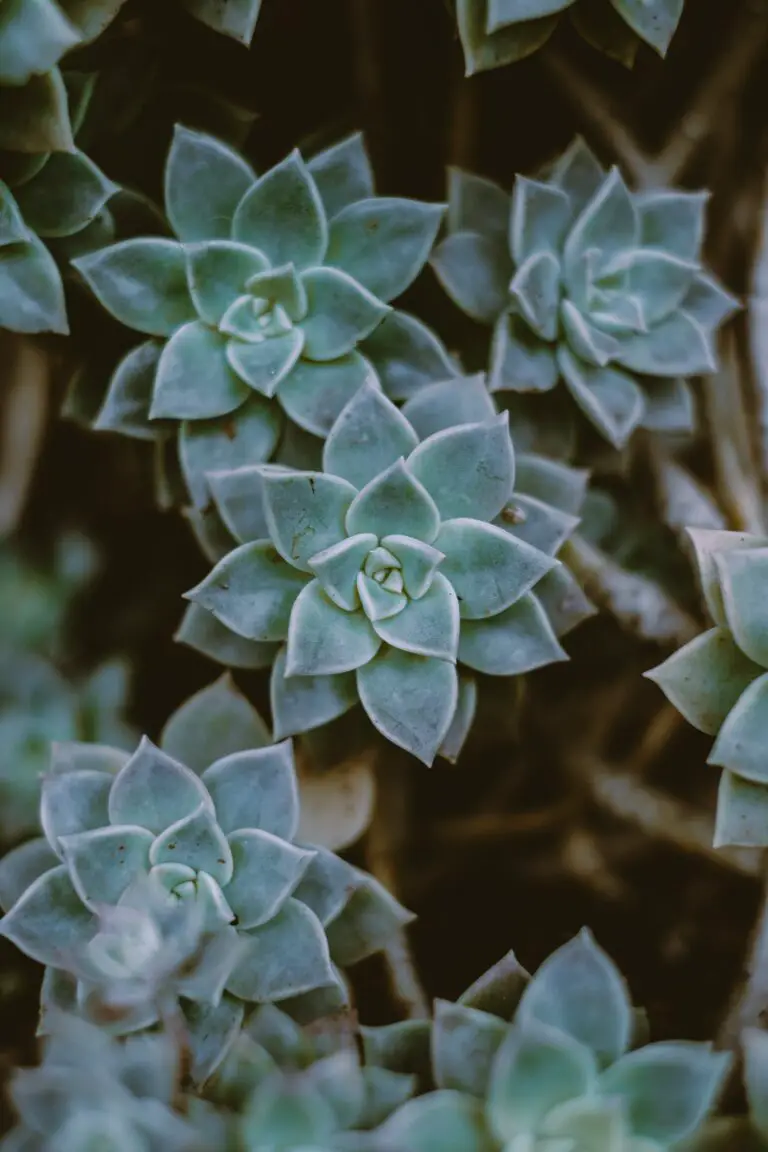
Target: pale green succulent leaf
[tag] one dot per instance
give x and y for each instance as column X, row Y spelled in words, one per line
column 237, row 493
column 201, row 631
column 535, row 290
column 610, row 398
column 256, row 789
column 587, row 1123
column 519, row 361
column 65, row 196
column 237, row 18
column 74, row 801
column 252, row 591
column 418, row 562
column 552, row 482
column 378, row 603
column 20, row 867
column 579, row 173
column 31, row 291
column 500, row 13
column 34, row 120
column 517, row 640
column 673, row 221
column 300, row 703
column 667, row 1088
column 705, row 678
column 464, row 1045
column 283, row 216
column 314, row 394
column 129, row 393
column 215, row 722
column 337, row 569
column 248, row 435
column 384, row 242
column 602, row 27
column 325, row 640
column 742, row 813
column 142, row 283
column 103, row 863
column 586, row 340
column 428, row 626
column 328, row 885
column 394, row 502
column 536, row 523
column 340, row 313
column 489, row 569
column 407, row 356
column 264, row 365
column 197, row 841
column 447, row 403
column 12, row 226
column 654, row 21
column 475, row 271
column 285, row 957
column 740, row 743
column 608, row 223
column 448, row 1120
column 659, row 279
column 194, row 355
column 579, row 990
column 153, row 790
column 211, row 1029
column 205, row 180
column 708, row 543
column 509, row 44
column 281, row 286
column 50, row 923
column 669, row 405
column 463, row 719
column 677, row 346
column 266, row 872
column 539, row 219
column 217, row 273
column 369, row 436
column 741, row 574
column 709, row 303
column 476, row 204
column 469, row 471
column 33, row 38
column 409, row 699
column 305, row 512
column 342, row 174
column 754, row 1043
column 367, row 922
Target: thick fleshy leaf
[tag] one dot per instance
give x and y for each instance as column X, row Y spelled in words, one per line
column 328, row 885
column 211, row 1029
column 265, row 364
column 256, row 789
column 488, row 569
column 672, row 221
column 252, row 591
column 535, row 289
column 677, row 346
column 283, row 216
column 578, row 172
column 742, row 576
column 217, row 273
column 509, row 44
column 236, row 18
column 369, row 919
column 536, row 1068
column 215, row 722
column 342, row 174
column 198, row 842
column 314, row 394
column 245, row 437
column 65, row 196
column 587, row 341
column 669, row 405
column 74, row 801
column 300, row 703
column 740, row 743
column 369, row 435
column 238, row 496
column 103, row 863
column 383, row 242
column 564, row 602
column 50, row 923
column 12, row 226
column 464, row 1045
column 476, row 204
column 475, row 271
column 447, row 403
column 33, row 38
column 708, row 543
column 142, row 283
column 305, row 512
column 539, row 219
column 552, row 482
column 340, row 313
column 500, row 13
column 589, row 1123
column 520, row 361
column 742, row 813
column 31, row 292
column 463, row 719
column 428, row 626
column 608, row 223
column 283, row 958
column 324, row 640
column 660, row 280
column 204, row 183
column 194, row 381
column 338, row 567
column 282, row 286
column 20, row 867
column 154, row 791
column 201, row 630
column 536, row 523
column 705, row 678
column 129, row 393
column 709, row 303
column 410, row 699
column 34, row 120
column 610, row 398
column 379, row 602
column 579, row 990
column 654, row 21
column 407, row 355
column 394, row 503
column 450, row 1121
column 667, row 1088
column 468, row 470
column 418, row 562
column 518, row 640
column 266, row 872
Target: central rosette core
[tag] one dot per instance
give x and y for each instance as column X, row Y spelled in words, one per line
column 271, row 303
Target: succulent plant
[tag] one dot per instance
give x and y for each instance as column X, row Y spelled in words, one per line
column 587, row 283
column 119, row 826
column 236, row 18
column 93, row 1092
column 719, row 681
column 259, row 307
column 383, row 571
column 498, row 32
column 565, row 1073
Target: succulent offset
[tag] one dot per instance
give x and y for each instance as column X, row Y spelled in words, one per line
column 587, row 283
column 719, row 681
column 382, row 572
column 566, row 1073
column 258, row 308
column 498, row 32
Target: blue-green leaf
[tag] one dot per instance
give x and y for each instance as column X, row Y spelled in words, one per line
column 369, row 435
column 463, row 719
column 256, row 789
column 214, row 722
column 246, row 437
column 740, row 743
column 238, row 493
column 742, row 581
column 394, row 503
column 153, row 790
column 236, row 18
column 672, row 220
column 194, row 380
column 342, row 174
column 450, row 1121
column 428, row 626
column 33, row 38
column 201, row 630
column 106, row 861
column 74, row 801
column 129, row 394
column 447, row 403
column 217, row 273
column 266, row 872
column 410, row 699
column 143, row 283
column 475, row 272
column 464, row 1044
column 539, row 219
column 476, row 204
column 518, row 640
column 677, row 346
column 654, row 21
column 520, row 361
column 264, row 365
column 469, row 470
column 338, row 567
column 324, row 640
column 283, row 958
column 283, row 216
column 610, row 398
column 742, row 813
column 535, row 289
column 340, row 313
column 509, row 44
column 305, row 512
column 281, row 286
column 197, row 841
column 65, row 196
column 31, row 291
column 300, row 703
column 608, row 223
column 313, row 394
column 418, row 562
column 50, row 923
column 24, row 864
column 407, row 356
column 204, row 183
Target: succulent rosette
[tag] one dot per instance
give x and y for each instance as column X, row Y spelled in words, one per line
column 276, row 917
column 719, row 681
column 379, row 574
column 567, row 1072
column 236, row 19
column 498, row 32
column 587, row 283
column 257, row 309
